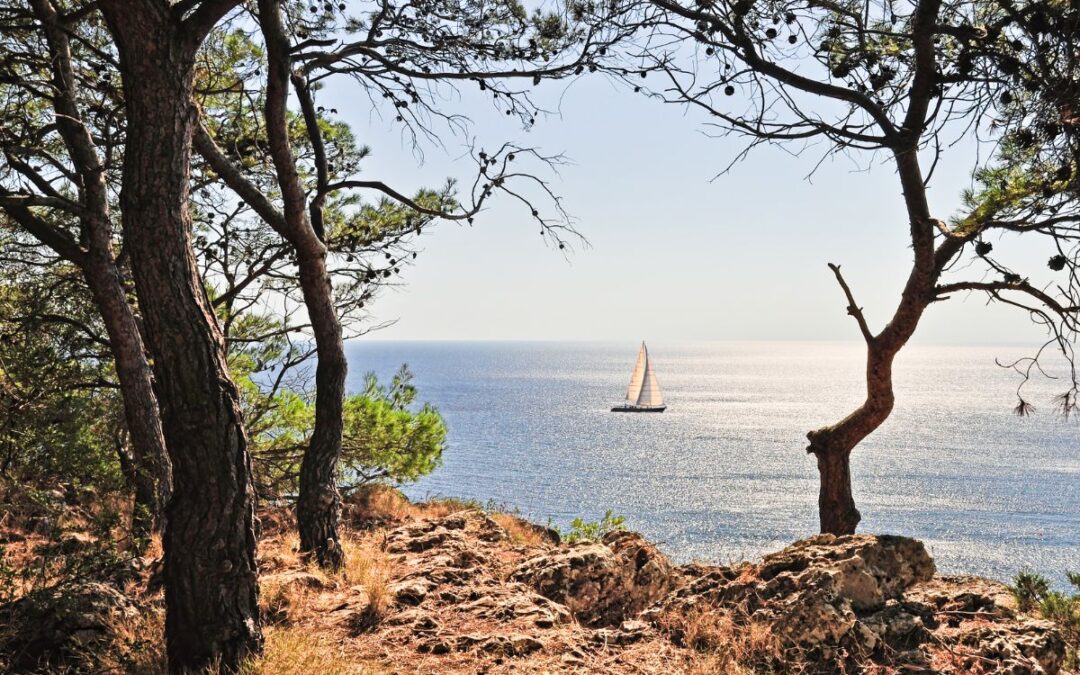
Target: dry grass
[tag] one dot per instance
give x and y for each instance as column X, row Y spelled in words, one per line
column 443, row 506
column 285, row 598
column 138, row 647
column 348, row 622
column 720, row 642
column 293, row 650
column 521, row 533
column 368, row 566
column 286, row 580
column 377, row 504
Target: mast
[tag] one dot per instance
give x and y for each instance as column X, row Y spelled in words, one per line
column 637, row 378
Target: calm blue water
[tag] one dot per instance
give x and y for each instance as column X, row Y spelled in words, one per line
column 723, row 475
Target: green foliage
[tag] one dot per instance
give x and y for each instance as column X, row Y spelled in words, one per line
column 1032, row 591
column 549, row 27
column 60, row 416
column 1029, row 588
column 385, row 439
column 582, row 530
column 8, row 576
column 1060, row 608
column 1074, row 579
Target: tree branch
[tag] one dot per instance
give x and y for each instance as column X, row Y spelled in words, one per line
column 1023, row 287
column 853, row 309
column 237, row 182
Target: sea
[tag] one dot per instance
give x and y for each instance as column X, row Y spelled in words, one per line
column 723, row 475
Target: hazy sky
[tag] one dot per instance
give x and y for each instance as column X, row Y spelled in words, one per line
column 673, row 254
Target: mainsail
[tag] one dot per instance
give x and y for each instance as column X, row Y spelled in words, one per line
column 644, row 389
column 650, row 389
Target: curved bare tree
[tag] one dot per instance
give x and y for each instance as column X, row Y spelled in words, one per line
column 897, row 81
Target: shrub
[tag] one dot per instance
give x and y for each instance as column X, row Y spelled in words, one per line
column 60, row 421
column 582, row 530
column 386, row 438
column 1032, row 591
column 1029, row 589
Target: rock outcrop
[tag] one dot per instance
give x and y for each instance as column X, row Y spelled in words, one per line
column 978, row 620
column 462, row 592
column 832, row 603
column 61, row 628
column 842, row 601
column 602, row 583
column 453, row 573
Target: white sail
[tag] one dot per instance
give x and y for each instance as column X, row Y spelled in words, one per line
column 650, row 389
column 637, row 378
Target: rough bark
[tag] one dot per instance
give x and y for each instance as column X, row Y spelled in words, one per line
column 832, row 445
column 143, row 487
column 319, row 504
column 210, row 574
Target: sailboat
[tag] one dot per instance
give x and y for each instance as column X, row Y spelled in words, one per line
column 643, row 394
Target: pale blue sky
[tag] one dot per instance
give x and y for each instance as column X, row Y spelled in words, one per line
column 672, row 255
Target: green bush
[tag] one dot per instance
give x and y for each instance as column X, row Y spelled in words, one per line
column 1029, row 589
column 60, row 416
column 386, row 438
column 582, row 530
column 1032, row 591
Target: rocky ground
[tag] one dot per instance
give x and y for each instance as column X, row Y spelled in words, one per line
column 444, row 588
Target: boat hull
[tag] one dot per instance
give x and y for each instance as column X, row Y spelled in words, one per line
column 639, row 408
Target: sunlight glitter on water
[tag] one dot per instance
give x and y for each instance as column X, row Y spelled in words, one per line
column 723, row 473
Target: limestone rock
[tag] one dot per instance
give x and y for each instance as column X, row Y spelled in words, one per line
column 412, row 591
column 840, row 599
column 512, row 645
column 866, row 570
column 651, row 575
column 627, row 633
column 295, row 579
column 601, row 583
column 74, row 542
column 897, row 626
column 586, row 577
column 957, row 597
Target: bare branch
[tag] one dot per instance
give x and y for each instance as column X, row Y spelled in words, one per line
column 853, row 309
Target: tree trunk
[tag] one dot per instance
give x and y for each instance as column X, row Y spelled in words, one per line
column 836, row 505
column 832, row 445
column 142, row 486
column 151, row 469
column 319, row 504
column 210, row 575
